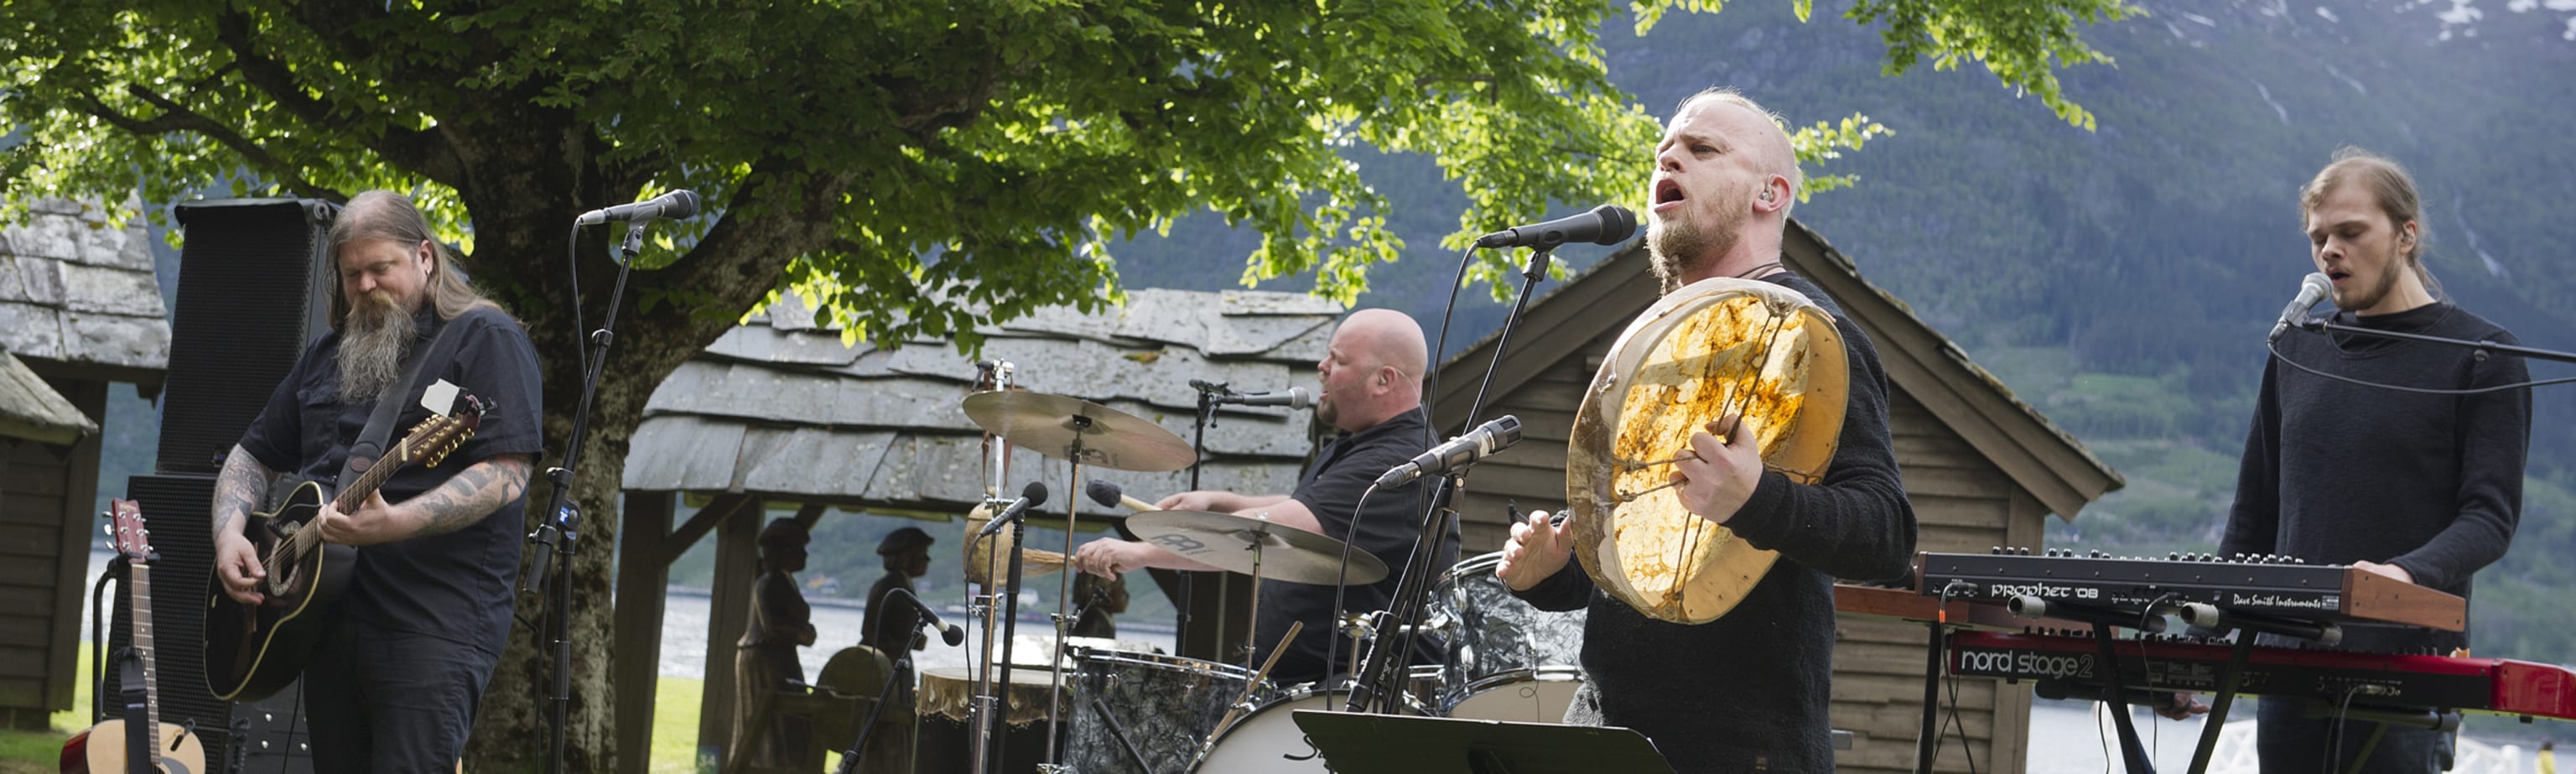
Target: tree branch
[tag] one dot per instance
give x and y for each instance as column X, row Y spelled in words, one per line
column 417, row 150
column 178, row 118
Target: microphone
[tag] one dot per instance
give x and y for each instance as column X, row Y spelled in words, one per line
column 674, row 205
column 1108, row 495
column 1608, row 224
column 1294, row 398
column 2311, row 290
column 1031, row 496
column 1459, row 452
column 948, row 632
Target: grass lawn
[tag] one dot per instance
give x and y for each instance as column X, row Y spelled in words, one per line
column 30, row 752
column 675, row 729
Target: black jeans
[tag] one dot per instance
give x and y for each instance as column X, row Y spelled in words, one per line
column 2288, row 742
column 387, row 702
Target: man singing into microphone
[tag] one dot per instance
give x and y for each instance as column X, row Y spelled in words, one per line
column 1748, row 691
column 2422, row 484
column 1372, row 393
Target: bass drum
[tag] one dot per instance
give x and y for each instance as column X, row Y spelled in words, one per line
column 1268, row 741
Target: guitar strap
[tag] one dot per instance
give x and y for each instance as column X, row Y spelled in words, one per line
column 380, row 425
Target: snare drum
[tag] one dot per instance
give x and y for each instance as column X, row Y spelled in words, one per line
column 1268, row 740
column 1165, row 706
column 1507, row 660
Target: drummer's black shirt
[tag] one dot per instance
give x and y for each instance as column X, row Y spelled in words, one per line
column 1750, row 690
column 1331, row 488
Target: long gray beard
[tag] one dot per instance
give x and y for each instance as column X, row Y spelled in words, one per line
column 372, row 346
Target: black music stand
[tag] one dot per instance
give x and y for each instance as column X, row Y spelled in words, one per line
column 1360, row 743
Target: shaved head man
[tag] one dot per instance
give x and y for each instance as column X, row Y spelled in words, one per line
column 1371, row 374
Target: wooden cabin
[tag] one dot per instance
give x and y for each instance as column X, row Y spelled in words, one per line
column 80, row 308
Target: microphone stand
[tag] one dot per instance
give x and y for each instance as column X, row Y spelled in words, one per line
column 559, row 530
column 993, row 714
column 1208, row 394
column 2323, row 324
column 1380, row 676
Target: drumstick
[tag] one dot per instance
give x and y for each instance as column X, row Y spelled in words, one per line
column 1236, row 711
column 1109, row 495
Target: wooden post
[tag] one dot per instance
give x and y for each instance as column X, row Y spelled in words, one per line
column 643, row 572
column 728, row 612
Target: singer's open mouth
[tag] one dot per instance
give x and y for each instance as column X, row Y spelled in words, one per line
column 2337, row 275
column 1666, row 190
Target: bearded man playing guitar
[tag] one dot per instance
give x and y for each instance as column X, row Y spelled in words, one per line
column 397, row 669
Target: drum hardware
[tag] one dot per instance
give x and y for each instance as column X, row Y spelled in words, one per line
column 996, row 375
column 1716, row 348
column 1244, row 704
column 1077, row 431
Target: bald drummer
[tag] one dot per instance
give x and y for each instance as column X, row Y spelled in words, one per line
column 1372, row 394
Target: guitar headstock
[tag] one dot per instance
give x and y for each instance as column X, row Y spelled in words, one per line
column 438, row 436
column 125, row 527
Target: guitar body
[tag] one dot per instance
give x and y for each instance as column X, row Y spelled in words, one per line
column 101, row 750
column 253, row 651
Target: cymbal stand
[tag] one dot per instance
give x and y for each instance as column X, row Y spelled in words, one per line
column 1260, row 538
column 994, row 374
column 1064, row 586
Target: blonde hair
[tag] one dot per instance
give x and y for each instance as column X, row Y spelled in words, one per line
column 387, row 215
column 2390, row 186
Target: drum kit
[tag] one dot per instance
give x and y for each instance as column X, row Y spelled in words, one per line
column 1716, row 348
column 1118, row 708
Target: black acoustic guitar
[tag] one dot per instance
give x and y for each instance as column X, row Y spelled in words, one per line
column 253, row 651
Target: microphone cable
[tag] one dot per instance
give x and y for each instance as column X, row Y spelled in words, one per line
column 2276, row 355
column 1341, row 582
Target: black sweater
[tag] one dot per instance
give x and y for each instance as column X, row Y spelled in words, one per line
column 2336, row 472
column 1750, row 690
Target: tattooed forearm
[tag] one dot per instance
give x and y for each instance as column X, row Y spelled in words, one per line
column 471, row 494
column 239, row 487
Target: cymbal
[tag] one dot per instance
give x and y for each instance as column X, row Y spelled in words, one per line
column 1225, row 541
column 1058, row 426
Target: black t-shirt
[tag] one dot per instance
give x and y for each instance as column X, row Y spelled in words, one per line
column 454, row 586
column 1330, row 488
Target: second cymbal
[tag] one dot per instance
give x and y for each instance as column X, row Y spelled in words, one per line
column 1080, row 430
column 1225, row 541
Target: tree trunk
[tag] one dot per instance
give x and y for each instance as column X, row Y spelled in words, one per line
column 520, row 259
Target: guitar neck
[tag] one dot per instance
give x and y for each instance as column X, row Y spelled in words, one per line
column 141, row 596
column 355, row 494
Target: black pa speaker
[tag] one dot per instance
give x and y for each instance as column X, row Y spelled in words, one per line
column 254, row 289
column 262, row 736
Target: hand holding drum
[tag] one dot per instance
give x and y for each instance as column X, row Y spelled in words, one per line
column 1538, row 549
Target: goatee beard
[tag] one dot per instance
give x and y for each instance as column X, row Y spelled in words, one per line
column 372, row 346
column 1678, row 251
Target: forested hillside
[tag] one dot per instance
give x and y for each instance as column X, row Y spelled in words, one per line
column 2121, row 279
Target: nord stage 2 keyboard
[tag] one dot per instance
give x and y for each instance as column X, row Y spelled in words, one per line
column 2272, row 586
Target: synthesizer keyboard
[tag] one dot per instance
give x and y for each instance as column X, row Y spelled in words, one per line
column 2410, row 681
column 2266, row 585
